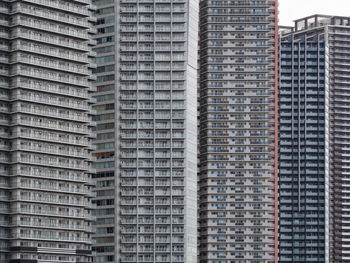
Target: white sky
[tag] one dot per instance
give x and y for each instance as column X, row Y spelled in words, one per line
column 290, row 10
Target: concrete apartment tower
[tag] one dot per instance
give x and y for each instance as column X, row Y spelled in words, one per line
column 146, row 145
column 238, row 131
column 314, row 96
column 45, row 196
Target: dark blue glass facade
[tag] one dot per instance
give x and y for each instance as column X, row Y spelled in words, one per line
column 302, row 140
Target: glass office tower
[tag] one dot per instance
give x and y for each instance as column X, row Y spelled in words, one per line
column 314, row 140
column 146, row 131
column 45, row 196
column 238, row 131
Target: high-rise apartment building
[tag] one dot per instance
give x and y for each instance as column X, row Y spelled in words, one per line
column 314, row 169
column 146, row 145
column 45, row 196
column 238, row 131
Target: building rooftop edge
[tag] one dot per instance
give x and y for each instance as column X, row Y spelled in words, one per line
column 314, row 21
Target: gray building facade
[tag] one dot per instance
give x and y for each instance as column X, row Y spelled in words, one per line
column 45, row 136
column 146, row 131
column 238, row 132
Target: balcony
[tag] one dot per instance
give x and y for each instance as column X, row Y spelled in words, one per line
column 68, row 67
column 49, row 75
column 47, row 162
column 35, row 212
column 45, row 148
column 56, row 174
column 49, row 100
column 51, row 201
column 53, row 88
column 53, row 237
column 49, row 39
column 52, row 16
column 54, row 114
column 58, row 5
column 52, row 52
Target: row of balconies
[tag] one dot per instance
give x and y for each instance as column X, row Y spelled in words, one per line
column 141, row 249
column 49, row 38
column 56, row 187
column 146, row 144
column 42, row 85
column 151, row 155
column 150, row 163
column 175, row 85
column 216, row 43
column 157, row 115
column 51, row 100
column 150, row 211
column 175, row 8
column 153, row 47
column 47, row 149
column 51, row 224
column 237, row 4
column 151, row 97
column 151, row 57
column 236, row 109
column 151, row 229
column 145, row 238
column 239, row 165
column 149, row 67
column 151, row 203
column 151, row 116
column 240, row 191
column 150, row 38
column 52, row 137
column 242, row 230
column 70, row 7
column 238, row 76
column 150, row 105
column 44, row 200
column 71, row 213
column 150, row 134
column 224, row 94
column 47, row 74
column 50, row 27
column 242, row 28
column 151, row 173
column 44, row 13
column 265, row 218
column 226, row 36
column 50, row 124
column 51, row 63
column 55, row 237
column 150, row 220
column 53, row 112
column 46, row 161
column 240, row 69
column 151, row 28
column 240, row 117
column 151, row 125
column 62, row 175
column 140, row 258
column 151, row 192
column 132, row 18
column 150, row 181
